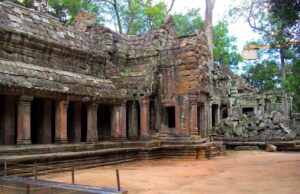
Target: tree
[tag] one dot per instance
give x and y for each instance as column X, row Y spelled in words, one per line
column 225, row 50
column 189, row 23
column 275, row 20
column 208, row 24
column 264, row 75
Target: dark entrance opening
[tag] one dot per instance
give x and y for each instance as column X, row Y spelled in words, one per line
column 104, row 121
column 200, row 118
column 133, row 120
column 171, row 116
column 214, row 111
column 83, row 123
column 248, row 110
column 70, row 121
column 8, row 120
column 152, row 116
column 41, row 121
column 36, row 113
column 53, row 107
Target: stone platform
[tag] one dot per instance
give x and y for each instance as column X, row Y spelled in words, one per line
column 281, row 145
column 56, row 158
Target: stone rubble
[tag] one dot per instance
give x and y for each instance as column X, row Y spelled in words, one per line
column 257, row 127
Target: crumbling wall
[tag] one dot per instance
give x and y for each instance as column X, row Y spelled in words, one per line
column 256, row 127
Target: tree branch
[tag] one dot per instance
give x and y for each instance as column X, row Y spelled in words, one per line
column 170, row 8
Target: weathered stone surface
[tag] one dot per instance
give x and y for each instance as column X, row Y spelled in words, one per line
column 271, row 148
column 256, row 128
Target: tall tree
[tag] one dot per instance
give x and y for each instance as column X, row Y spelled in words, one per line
column 225, row 49
column 208, row 24
column 267, row 18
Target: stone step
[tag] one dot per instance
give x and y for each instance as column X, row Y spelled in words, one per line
column 57, row 162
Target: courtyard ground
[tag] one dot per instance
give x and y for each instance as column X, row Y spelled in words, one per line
column 240, row 172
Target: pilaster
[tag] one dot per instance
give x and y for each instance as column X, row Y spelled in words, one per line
column 144, row 112
column 61, row 116
column 24, row 119
column 92, row 132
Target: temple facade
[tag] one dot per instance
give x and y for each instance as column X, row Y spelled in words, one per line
column 86, row 83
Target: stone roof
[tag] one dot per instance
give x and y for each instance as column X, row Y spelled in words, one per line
column 19, row 74
column 18, row 19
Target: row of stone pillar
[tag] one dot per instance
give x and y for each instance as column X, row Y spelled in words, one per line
column 118, row 130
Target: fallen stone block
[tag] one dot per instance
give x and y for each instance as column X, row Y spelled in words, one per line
column 271, row 148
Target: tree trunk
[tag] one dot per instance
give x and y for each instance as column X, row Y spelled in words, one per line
column 208, row 24
column 115, row 5
column 283, row 70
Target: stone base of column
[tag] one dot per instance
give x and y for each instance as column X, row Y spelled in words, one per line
column 23, row 142
column 118, row 138
column 61, row 141
column 145, row 138
column 92, row 141
column 194, row 133
column 133, row 138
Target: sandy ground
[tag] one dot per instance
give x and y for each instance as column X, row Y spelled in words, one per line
column 249, row 172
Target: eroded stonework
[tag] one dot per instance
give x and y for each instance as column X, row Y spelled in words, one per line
column 248, row 114
column 97, row 84
column 87, row 83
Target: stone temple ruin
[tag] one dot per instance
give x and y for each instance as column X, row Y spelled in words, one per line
column 98, row 97
column 242, row 113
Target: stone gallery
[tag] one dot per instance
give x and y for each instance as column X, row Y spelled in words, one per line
column 151, row 95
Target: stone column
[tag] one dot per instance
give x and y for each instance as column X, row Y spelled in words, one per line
column 45, row 137
column 92, row 131
column 206, row 119
column 123, row 120
column 285, row 106
column 116, row 132
column 203, row 121
column 77, row 122
column 133, row 121
column 24, row 130
column 144, row 112
column 61, row 116
column 209, row 116
column 9, row 120
column 194, row 116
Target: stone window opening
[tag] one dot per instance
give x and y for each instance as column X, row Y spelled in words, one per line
column 171, row 116
column 248, row 110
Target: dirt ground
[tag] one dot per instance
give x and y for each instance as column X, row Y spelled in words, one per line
column 242, row 172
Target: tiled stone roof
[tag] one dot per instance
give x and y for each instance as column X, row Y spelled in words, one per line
column 18, row 74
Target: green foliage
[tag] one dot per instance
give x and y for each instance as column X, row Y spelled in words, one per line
column 264, row 75
column 189, row 23
column 143, row 16
column 292, row 83
column 66, row 10
column 225, row 50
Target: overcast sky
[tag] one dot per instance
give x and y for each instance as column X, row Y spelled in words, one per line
column 239, row 29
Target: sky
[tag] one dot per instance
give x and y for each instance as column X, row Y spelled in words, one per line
column 239, row 29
